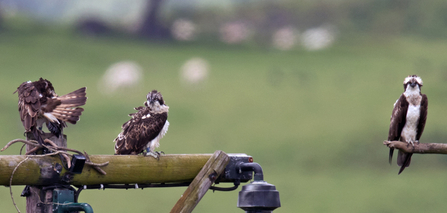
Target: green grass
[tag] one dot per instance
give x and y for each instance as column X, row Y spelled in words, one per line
column 315, row 121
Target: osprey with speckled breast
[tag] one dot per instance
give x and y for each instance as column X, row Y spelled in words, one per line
column 408, row 118
column 145, row 128
column 39, row 103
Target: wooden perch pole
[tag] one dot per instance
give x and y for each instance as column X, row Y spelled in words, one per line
column 35, row 198
column 200, row 185
column 122, row 169
column 421, row 148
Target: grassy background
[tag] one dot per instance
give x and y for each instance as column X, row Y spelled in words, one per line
column 315, row 121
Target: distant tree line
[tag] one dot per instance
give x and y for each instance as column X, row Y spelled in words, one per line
column 427, row 18
column 387, row 17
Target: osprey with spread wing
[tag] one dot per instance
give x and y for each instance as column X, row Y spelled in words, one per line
column 38, row 104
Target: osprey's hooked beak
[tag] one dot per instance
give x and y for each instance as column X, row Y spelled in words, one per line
column 149, row 102
column 413, row 84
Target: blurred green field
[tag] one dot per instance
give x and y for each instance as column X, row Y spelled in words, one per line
column 315, row 121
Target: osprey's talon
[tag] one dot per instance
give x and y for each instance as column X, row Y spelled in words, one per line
column 156, row 155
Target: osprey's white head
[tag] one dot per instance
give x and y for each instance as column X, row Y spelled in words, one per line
column 155, row 101
column 413, row 82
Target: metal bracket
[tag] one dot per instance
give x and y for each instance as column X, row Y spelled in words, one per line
column 63, row 202
column 232, row 173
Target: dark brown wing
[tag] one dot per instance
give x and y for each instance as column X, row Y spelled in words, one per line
column 423, row 116
column 121, row 142
column 68, row 109
column 139, row 131
column 397, row 123
column 30, row 101
column 29, row 104
column 398, row 118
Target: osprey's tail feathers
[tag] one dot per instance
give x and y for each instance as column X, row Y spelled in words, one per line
column 69, row 109
column 73, row 99
column 391, row 155
column 403, row 160
column 70, row 115
column 56, row 127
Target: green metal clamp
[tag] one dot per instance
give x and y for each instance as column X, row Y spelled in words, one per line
column 63, row 202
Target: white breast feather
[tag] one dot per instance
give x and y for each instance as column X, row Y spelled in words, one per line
column 156, row 141
column 413, row 113
column 165, row 129
column 410, row 129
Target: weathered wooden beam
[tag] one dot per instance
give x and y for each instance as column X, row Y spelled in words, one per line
column 122, row 169
column 201, row 183
column 419, row 148
column 35, row 202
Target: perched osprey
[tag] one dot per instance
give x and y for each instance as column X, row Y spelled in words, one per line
column 145, row 129
column 38, row 104
column 408, row 118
